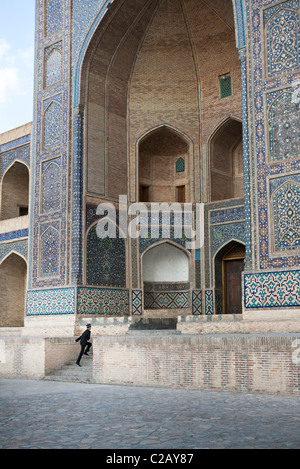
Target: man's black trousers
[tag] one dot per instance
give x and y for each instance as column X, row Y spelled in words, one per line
column 82, row 351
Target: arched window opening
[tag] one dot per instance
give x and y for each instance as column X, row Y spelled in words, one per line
column 15, row 192
column 13, row 277
column 162, row 167
column 226, row 162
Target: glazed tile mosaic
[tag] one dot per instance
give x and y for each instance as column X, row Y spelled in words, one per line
column 102, row 301
column 64, row 252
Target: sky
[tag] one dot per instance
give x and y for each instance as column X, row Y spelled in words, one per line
column 17, row 25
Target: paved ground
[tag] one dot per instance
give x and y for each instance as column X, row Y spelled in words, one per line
column 53, row 415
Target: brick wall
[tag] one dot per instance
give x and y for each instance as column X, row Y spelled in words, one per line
column 241, row 363
column 33, row 357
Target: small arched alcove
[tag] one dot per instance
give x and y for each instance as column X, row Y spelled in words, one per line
column 164, row 166
column 166, row 277
column 226, row 161
column 15, row 192
column 13, row 277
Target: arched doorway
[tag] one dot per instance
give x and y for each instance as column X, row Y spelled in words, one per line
column 163, row 167
column 166, row 277
column 226, row 161
column 229, row 265
column 15, row 192
column 13, row 277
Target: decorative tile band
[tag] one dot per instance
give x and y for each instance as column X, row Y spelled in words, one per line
column 14, row 235
column 102, row 301
column 166, row 300
column 59, row 301
column 272, row 289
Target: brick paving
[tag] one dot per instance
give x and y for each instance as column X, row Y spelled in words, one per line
column 64, row 415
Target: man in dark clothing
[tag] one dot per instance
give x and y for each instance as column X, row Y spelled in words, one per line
column 84, row 342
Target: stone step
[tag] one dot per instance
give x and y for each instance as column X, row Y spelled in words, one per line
column 153, row 324
column 153, row 332
column 73, row 373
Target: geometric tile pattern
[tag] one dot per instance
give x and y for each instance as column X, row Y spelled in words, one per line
column 197, row 302
column 272, row 289
column 209, row 302
column 282, row 33
column 137, row 302
column 52, row 125
column 286, row 216
column 51, row 186
column 53, row 16
column 105, row 260
column 284, row 117
column 50, row 252
column 51, row 302
column 166, row 300
column 53, row 64
column 102, row 301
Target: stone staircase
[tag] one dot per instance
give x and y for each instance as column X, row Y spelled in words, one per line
column 74, row 373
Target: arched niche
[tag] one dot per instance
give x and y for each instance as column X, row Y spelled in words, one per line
column 229, row 265
column 15, row 191
column 166, row 277
column 13, row 278
column 162, row 152
column 226, row 161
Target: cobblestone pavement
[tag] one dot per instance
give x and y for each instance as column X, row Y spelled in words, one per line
column 53, row 415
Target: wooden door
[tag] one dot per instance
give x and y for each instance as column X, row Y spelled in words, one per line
column 233, row 266
column 233, row 279
column 181, row 194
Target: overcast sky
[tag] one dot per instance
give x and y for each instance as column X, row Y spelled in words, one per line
column 16, row 62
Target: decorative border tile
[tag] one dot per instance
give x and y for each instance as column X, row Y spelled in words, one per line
column 272, row 289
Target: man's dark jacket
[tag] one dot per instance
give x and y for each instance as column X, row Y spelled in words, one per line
column 84, row 338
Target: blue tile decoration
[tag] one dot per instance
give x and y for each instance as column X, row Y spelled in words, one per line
column 8, row 157
column 53, row 64
column 50, row 241
column 53, row 16
column 166, row 300
column 58, row 301
column 14, row 235
column 19, row 247
column 105, row 260
column 51, row 185
column 102, row 301
column 284, row 134
column 272, row 289
column 282, row 27
column 286, row 216
column 52, row 125
column 209, row 302
column 137, row 302
column 266, row 220
column 197, row 302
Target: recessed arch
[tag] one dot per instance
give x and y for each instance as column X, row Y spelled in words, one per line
column 226, row 162
column 158, row 153
column 229, row 265
column 15, row 191
column 13, row 280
